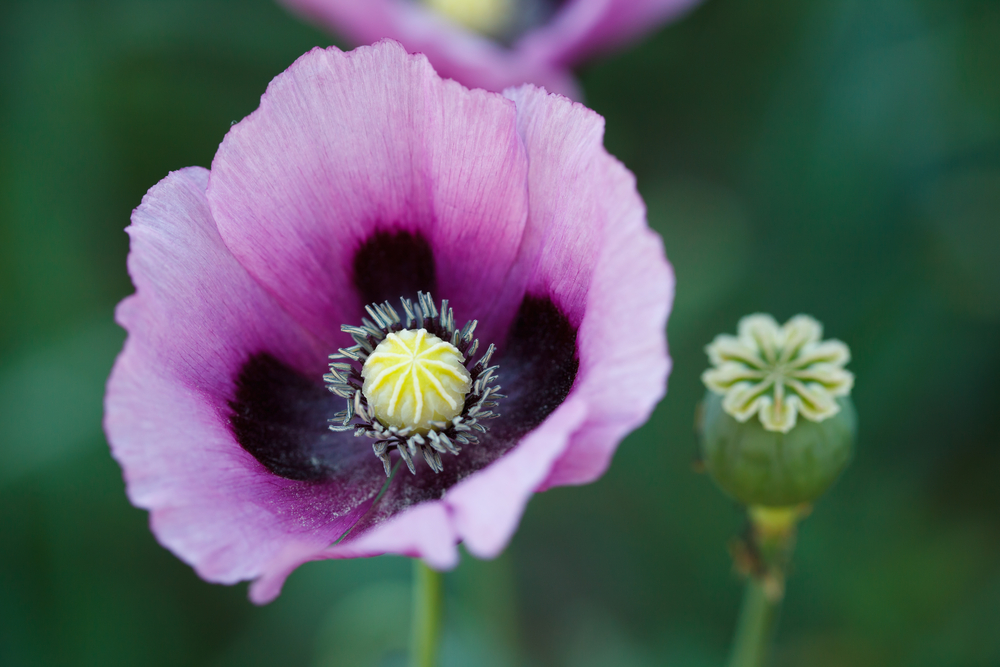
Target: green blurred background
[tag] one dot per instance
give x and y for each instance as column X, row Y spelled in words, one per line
column 834, row 157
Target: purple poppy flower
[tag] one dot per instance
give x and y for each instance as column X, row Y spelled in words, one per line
column 362, row 178
column 494, row 44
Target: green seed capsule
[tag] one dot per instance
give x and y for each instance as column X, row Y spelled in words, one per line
column 770, row 468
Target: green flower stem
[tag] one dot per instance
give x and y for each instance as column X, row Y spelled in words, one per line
column 755, row 628
column 427, row 608
column 765, row 560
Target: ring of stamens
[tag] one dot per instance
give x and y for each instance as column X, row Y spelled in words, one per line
column 441, row 430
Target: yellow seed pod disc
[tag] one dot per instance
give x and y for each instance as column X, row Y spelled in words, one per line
column 414, row 378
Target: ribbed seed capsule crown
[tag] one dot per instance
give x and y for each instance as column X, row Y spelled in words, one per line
column 413, row 379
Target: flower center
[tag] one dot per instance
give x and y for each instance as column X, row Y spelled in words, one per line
column 413, row 383
column 491, row 17
column 413, row 378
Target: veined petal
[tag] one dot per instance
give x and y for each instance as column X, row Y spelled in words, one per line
column 195, row 319
column 348, row 145
column 424, row 531
column 622, row 378
column 570, row 180
column 488, row 505
column 588, row 248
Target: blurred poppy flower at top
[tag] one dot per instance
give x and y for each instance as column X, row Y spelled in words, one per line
column 364, row 178
column 494, row 44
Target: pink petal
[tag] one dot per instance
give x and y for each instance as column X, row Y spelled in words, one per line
column 587, row 27
column 622, row 343
column 623, row 349
column 345, row 144
column 568, row 199
column 488, row 505
column 621, row 340
column 423, row 531
column 195, row 318
column 456, row 53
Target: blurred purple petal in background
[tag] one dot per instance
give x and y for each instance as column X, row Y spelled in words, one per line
column 494, row 44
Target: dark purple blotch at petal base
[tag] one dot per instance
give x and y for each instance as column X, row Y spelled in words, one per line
column 280, row 417
column 390, row 265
